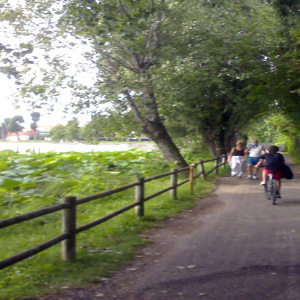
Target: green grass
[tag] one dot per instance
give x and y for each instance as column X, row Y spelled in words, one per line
column 295, row 158
column 100, row 250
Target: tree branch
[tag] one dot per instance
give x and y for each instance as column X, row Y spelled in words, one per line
column 134, row 108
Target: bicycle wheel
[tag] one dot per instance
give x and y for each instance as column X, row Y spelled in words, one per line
column 267, row 188
column 273, row 191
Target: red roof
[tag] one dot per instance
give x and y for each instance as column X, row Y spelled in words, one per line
column 23, row 133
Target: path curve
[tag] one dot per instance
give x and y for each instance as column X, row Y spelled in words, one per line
column 231, row 245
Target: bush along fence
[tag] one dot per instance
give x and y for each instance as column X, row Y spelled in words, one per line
column 69, row 208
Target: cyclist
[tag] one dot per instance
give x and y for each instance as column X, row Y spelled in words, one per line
column 273, row 162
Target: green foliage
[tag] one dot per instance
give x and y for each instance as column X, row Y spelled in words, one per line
column 72, row 130
column 58, row 132
column 198, row 67
column 282, row 84
column 276, row 128
column 69, row 132
column 34, row 181
column 4, row 129
column 33, row 126
column 35, row 116
column 14, row 124
column 50, row 176
column 261, row 128
column 113, row 124
column 286, row 9
column 210, row 76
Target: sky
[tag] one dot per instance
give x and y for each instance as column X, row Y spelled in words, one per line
column 8, row 89
column 9, row 109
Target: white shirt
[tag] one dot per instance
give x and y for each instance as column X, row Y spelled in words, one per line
column 255, row 151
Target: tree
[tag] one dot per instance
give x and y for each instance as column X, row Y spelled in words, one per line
column 282, row 84
column 72, row 130
column 14, row 125
column 58, row 133
column 4, row 130
column 186, row 63
column 286, row 9
column 35, row 116
column 212, row 79
column 112, row 124
column 128, row 40
column 200, row 63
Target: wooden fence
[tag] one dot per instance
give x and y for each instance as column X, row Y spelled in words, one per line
column 69, row 208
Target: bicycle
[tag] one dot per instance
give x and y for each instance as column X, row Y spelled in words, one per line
column 270, row 188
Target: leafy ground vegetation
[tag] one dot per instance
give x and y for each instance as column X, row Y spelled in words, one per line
column 33, row 181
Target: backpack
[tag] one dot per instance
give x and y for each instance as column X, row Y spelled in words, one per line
column 287, row 172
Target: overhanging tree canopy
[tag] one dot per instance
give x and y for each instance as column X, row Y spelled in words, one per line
column 191, row 63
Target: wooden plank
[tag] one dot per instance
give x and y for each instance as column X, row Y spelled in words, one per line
column 103, row 219
column 157, row 194
column 158, row 176
column 106, row 193
column 28, row 253
column 209, row 160
column 183, row 169
column 32, row 215
column 183, row 182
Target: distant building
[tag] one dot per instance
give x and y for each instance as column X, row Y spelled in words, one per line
column 43, row 130
column 13, row 137
column 23, row 135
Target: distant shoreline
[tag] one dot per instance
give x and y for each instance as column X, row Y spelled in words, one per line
column 104, row 146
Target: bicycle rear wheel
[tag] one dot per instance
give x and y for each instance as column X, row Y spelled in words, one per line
column 267, row 187
column 273, row 192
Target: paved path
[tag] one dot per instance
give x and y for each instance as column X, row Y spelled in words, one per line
column 232, row 245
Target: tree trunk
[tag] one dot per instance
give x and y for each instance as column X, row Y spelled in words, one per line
column 157, row 132
column 153, row 127
column 4, row 132
column 216, row 143
column 209, row 144
column 231, row 141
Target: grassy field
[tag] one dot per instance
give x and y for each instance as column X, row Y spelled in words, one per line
column 100, row 250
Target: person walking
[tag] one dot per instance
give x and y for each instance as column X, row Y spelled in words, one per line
column 255, row 151
column 236, row 159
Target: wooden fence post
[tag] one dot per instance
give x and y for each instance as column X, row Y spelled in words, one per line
column 173, row 191
column 139, row 197
column 195, row 171
column 191, row 179
column 216, row 165
column 224, row 160
column 69, row 227
column 202, row 170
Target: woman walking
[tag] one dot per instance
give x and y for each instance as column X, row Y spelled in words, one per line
column 236, row 159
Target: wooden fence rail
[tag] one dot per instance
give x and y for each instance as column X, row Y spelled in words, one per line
column 69, row 207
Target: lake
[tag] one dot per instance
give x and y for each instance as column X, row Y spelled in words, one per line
column 22, row 147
